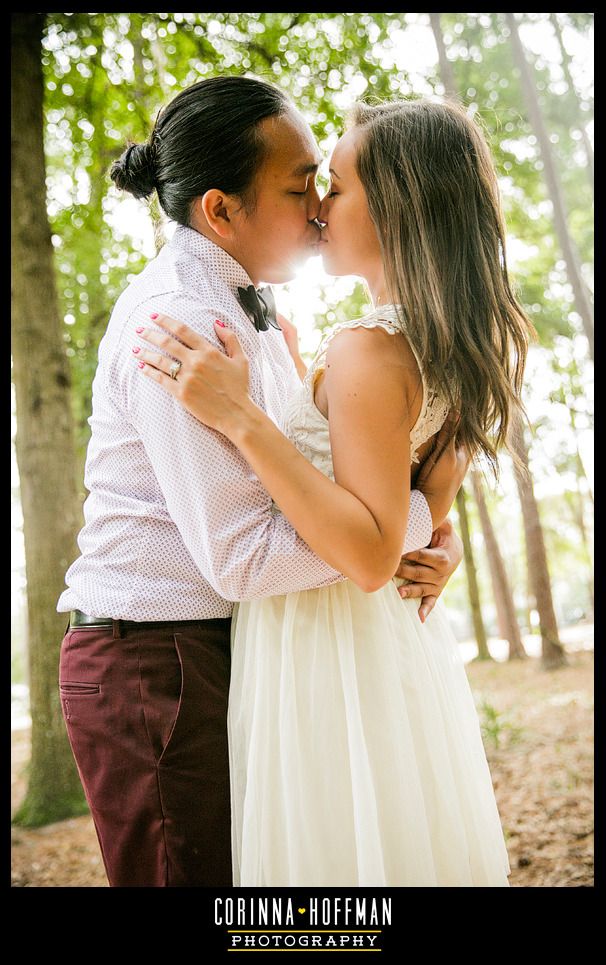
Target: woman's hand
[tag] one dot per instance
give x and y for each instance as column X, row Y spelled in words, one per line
column 210, row 385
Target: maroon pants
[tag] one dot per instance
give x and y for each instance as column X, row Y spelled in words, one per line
column 146, row 714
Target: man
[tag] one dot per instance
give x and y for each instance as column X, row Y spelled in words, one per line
column 177, row 526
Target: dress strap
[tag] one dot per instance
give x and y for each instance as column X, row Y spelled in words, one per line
column 384, row 317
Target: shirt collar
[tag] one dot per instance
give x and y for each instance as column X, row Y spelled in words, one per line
column 227, row 268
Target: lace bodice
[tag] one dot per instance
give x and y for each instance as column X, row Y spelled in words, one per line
column 307, row 428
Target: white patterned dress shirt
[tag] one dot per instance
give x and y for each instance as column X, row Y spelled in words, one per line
column 177, row 525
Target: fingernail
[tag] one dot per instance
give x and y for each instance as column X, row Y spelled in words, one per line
column 136, row 349
column 154, row 315
column 403, row 593
column 222, row 324
column 141, row 365
column 139, row 329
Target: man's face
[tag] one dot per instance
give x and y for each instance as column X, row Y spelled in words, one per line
column 280, row 234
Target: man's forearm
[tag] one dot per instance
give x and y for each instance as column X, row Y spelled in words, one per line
column 300, row 366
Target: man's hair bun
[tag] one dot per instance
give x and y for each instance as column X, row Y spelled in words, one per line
column 135, row 170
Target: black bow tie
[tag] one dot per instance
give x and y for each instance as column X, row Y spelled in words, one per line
column 260, row 306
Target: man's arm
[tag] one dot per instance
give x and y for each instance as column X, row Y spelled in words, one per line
column 223, row 513
column 291, row 337
column 429, row 569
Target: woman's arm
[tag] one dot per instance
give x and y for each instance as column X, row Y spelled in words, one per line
column 356, row 523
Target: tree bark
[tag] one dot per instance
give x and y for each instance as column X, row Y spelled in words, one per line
column 552, row 651
column 500, row 584
column 572, row 93
column 581, row 474
column 582, row 299
column 446, row 70
column 44, row 441
column 578, row 514
column 472, row 580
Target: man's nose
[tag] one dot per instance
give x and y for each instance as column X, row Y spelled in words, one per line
column 313, row 204
column 323, row 212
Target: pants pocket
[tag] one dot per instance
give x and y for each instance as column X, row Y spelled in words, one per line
column 72, row 692
column 76, row 688
column 161, row 687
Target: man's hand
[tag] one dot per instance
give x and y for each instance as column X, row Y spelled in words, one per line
column 443, row 471
column 431, row 568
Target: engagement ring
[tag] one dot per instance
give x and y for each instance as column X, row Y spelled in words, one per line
column 174, row 369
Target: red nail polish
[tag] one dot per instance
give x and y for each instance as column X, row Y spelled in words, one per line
column 222, row 324
column 141, row 365
column 154, row 315
column 136, row 349
column 139, row 329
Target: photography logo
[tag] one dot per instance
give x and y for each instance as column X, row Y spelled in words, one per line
column 312, row 924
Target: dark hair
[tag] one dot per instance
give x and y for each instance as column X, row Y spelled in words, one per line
column 433, row 196
column 206, row 137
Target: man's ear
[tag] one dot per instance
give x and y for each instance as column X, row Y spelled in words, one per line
column 219, row 209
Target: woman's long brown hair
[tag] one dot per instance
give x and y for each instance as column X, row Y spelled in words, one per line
column 433, row 196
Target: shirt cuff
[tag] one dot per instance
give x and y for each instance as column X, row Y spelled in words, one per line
column 420, row 523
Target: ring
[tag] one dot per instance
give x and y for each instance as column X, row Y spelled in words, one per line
column 174, row 369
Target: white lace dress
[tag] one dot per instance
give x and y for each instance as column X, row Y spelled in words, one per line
column 356, row 757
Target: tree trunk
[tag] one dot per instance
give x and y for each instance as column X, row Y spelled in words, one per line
column 552, row 651
column 572, row 93
column 44, row 441
column 446, row 70
column 581, row 474
column 578, row 514
column 500, row 584
column 472, row 580
column 573, row 270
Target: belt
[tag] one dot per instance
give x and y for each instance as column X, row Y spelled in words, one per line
column 79, row 619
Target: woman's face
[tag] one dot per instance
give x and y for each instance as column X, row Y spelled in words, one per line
column 350, row 244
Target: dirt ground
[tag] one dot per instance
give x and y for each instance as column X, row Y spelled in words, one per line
column 538, row 734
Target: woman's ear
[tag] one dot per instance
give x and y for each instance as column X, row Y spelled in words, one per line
column 218, row 209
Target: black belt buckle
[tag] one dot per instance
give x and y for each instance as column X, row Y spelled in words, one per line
column 79, row 619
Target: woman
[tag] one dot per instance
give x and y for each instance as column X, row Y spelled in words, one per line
column 355, row 750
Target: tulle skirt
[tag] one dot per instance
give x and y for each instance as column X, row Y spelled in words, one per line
column 356, row 757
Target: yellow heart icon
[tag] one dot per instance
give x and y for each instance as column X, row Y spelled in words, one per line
column 301, row 910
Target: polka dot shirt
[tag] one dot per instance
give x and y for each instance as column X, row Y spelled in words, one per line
column 177, row 525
